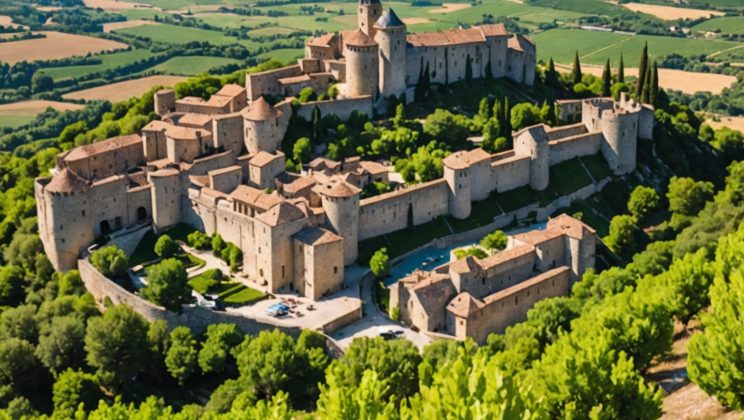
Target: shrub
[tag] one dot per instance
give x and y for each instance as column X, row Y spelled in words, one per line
column 110, row 261
column 380, row 263
column 166, row 247
column 199, row 240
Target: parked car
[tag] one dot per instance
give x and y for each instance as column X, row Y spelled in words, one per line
column 277, row 310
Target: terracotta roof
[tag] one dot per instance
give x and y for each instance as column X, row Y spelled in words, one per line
column 198, row 120
column 506, row 255
column 340, row 189
column 260, row 110
column 389, row 20
column 448, row 37
column 164, row 172
column 496, row 29
column 321, row 163
column 317, row 236
column 225, row 170
column 200, row 180
column 156, row 125
column 520, row 43
column 231, row 90
column 373, row 167
column 455, row 161
column 104, row 146
column 264, row 158
column 280, row 214
column 294, row 79
column 570, row 226
column 464, row 305
column 466, row 265
column 185, row 133
column 463, row 159
column 66, row 182
column 434, row 292
column 321, row 41
column 255, row 198
column 299, row 184
column 359, row 39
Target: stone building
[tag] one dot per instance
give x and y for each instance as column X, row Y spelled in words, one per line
column 215, row 164
column 381, row 59
column 474, row 297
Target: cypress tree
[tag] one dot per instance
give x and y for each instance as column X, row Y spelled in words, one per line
column 621, row 70
column 317, row 126
column 551, row 76
column 497, row 113
column 642, row 69
column 576, row 70
column 507, row 119
column 607, row 79
column 468, row 68
column 427, row 81
column 418, row 92
column 646, row 92
column 654, row 97
column 489, row 73
column 552, row 118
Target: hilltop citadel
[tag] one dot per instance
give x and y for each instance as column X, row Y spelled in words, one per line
column 216, row 165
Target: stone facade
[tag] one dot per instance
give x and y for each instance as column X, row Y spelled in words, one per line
column 475, row 297
column 381, row 59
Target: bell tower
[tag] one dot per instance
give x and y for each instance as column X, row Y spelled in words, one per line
column 368, row 13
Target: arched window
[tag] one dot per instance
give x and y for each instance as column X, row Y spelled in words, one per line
column 141, row 214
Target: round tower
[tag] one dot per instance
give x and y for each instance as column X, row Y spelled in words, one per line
column 166, row 197
column 620, row 130
column 533, row 142
column 263, row 125
column 341, row 205
column 456, row 173
column 65, row 219
column 368, row 13
column 390, row 35
column 362, row 64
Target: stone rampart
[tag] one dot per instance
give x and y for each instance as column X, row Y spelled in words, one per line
column 343, row 108
column 574, row 146
column 388, row 212
column 196, row 318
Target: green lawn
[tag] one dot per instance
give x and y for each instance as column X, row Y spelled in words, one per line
column 230, row 292
column 724, row 24
column 516, row 198
column 173, row 34
column 192, row 65
column 569, row 176
column 15, row 120
column 596, row 47
column 108, row 61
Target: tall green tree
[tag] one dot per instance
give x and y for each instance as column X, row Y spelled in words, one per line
column 110, row 261
column 576, row 70
column 607, row 80
column 551, row 75
column 116, row 345
column 654, row 91
column 621, row 70
column 72, row 388
column 181, row 357
column 380, row 263
column 642, row 201
column 642, row 70
column 167, row 285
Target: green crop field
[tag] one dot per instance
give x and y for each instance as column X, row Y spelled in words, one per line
column 596, row 47
column 173, row 34
column 15, row 120
column 725, row 24
column 109, row 61
column 193, row 65
column 284, row 55
column 180, row 4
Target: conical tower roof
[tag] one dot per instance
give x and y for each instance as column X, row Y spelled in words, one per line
column 66, row 182
column 260, row 110
column 389, row 20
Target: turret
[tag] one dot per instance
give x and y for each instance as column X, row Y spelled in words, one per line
column 456, row 173
column 166, row 197
column 369, row 12
column 533, row 142
column 164, row 101
column 65, row 218
column 390, row 35
column 341, row 205
column 620, row 130
column 362, row 64
column 264, row 127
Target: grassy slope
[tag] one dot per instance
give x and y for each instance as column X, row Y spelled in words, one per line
column 193, row 65
column 178, row 35
column 726, row 24
column 109, row 61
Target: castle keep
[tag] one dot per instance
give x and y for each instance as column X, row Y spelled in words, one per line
column 381, row 59
column 216, row 165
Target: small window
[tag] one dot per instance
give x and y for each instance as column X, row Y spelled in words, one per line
column 335, row 270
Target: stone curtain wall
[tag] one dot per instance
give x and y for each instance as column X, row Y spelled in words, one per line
column 574, row 146
column 340, row 107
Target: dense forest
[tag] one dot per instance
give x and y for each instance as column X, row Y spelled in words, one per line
column 675, row 244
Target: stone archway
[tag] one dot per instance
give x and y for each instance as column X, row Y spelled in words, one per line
column 141, row 213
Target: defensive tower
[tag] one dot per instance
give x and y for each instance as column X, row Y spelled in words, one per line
column 368, row 13
column 166, row 197
column 390, row 35
column 533, row 142
column 263, row 129
column 456, row 173
column 362, row 64
column 341, row 205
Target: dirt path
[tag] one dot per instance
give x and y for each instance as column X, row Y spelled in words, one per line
column 726, row 50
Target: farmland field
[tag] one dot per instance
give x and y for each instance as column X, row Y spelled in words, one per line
column 54, row 45
column 685, row 81
column 596, row 47
column 734, row 123
column 284, row 55
column 116, row 92
column 726, row 25
column 671, row 13
column 173, row 34
column 20, row 113
column 109, row 61
column 115, row 26
column 191, row 66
